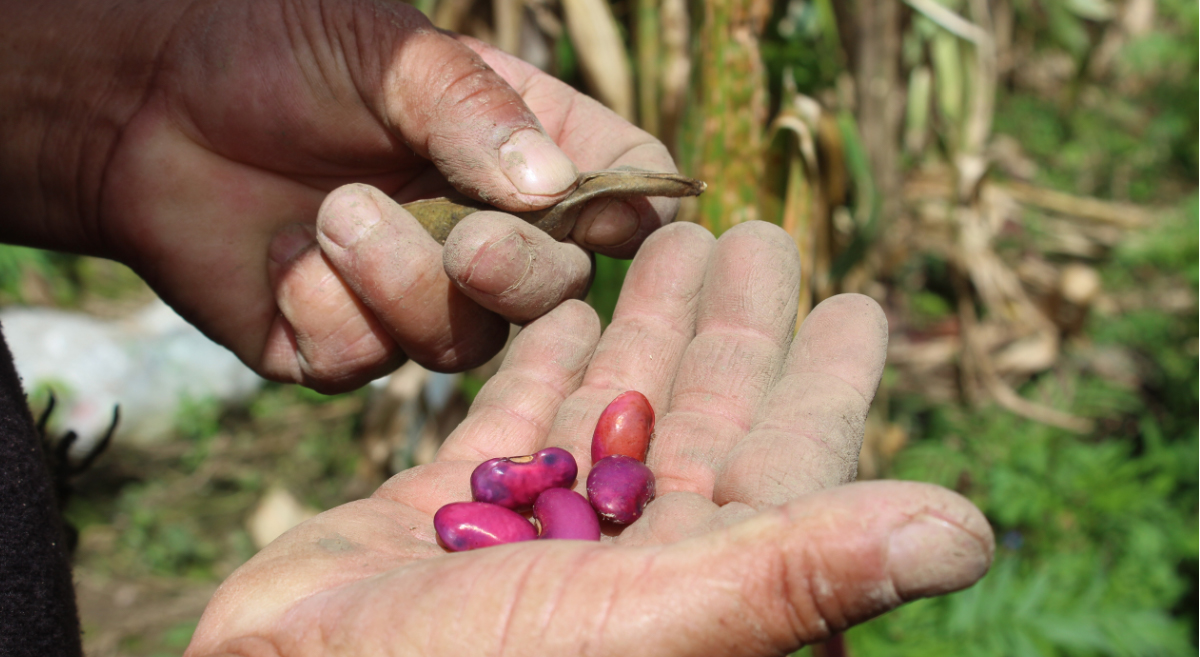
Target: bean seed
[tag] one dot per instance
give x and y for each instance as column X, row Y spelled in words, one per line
column 563, row 513
column 624, row 427
column 619, row 488
column 515, row 482
column 472, row 525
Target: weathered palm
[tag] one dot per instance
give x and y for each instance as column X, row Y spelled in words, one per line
column 753, row 546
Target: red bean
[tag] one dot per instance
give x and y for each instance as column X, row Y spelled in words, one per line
column 624, row 427
column 472, row 525
column 515, row 482
column 619, row 488
column 563, row 513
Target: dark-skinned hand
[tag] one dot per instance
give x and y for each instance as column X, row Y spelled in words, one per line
column 247, row 158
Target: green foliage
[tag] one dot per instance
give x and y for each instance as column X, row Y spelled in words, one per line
column 1168, row 58
column 1098, row 535
column 178, row 636
column 928, row 307
column 162, row 540
column 1094, row 149
column 62, row 279
column 1058, row 608
column 1129, row 137
column 1092, row 535
column 56, row 269
column 1170, row 249
column 802, row 41
column 606, row 286
column 470, row 385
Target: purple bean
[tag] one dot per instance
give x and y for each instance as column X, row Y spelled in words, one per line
column 619, row 488
column 563, row 513
column 515, row 482
column 472, row 525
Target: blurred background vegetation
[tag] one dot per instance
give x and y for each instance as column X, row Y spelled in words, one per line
column 1015, row 181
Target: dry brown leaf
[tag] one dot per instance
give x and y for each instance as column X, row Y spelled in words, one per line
column 602, row 57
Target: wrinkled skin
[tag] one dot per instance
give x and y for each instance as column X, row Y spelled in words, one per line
column 757, row 542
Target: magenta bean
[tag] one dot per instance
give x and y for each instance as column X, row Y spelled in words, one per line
column 619, row 488
column 563, row 513
column 472, row 525
column 624, row 427
column 515, row 482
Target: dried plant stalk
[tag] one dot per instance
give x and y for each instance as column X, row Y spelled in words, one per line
column 803, row 207
column 649, row 61
column 602, row 57
column 676, row 71
column 507, row 19
column 451, row 14
column 724, row 140
column 1123, row 215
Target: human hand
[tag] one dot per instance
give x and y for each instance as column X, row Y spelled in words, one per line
column 756, row 544
column 225, row 126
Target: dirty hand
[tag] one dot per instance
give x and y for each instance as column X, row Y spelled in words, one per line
column 209, row 145
column 756, row 544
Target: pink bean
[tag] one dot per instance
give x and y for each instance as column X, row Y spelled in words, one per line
column 563, row 513
column 619, row 488
column 471, row 525
column 515, row 482
column 624, row 427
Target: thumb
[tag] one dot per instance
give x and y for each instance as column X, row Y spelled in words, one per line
column 453, row 109
column 796, row 574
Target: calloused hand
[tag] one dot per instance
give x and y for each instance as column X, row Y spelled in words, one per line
column 756, row 544
column 227, row 181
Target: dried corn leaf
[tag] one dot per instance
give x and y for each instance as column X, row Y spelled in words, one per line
column 676, row 70
column 649, row 63
column 602, row 56
column 506, row 16
column 452, row 14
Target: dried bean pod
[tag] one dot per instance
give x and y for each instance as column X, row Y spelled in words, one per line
column 624, row 427
column 440, row 215
column 619, row 488
column 515, row 482
column 472, row 525
column 563, row 513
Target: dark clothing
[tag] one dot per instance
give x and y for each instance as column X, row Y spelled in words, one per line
column 37, row 597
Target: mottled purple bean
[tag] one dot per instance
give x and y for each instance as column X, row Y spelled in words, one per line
column 515, row 482
column 619, row 488
column 472, row 525
column 563, row 513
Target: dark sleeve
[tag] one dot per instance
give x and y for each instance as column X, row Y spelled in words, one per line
column 37, row 598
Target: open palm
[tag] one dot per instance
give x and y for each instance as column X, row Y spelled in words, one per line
column 755, row 545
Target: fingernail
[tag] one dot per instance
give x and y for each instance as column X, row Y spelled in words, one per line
column 289, row 242
column 348, row 217
column 500, row 266
column 535, row 165
column 929, row 556
column 616, row 222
